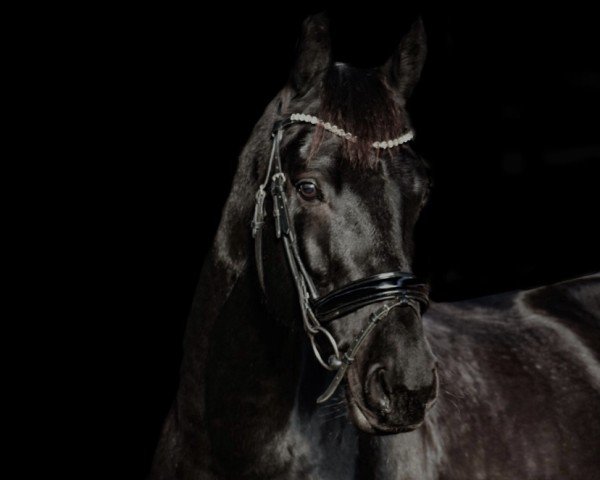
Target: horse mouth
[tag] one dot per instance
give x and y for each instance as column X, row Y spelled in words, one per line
column 369, row 423
column 380, row 422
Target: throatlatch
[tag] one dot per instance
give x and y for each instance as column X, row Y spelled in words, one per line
column 396, row 289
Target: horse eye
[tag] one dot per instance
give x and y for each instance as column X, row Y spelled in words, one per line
column 307, row 189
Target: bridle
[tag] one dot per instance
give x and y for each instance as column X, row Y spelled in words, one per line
column 396, row 289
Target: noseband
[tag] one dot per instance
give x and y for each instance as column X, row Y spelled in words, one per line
column 395, row 289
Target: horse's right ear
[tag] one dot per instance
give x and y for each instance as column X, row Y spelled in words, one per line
column 314, row 53
column 403, row 69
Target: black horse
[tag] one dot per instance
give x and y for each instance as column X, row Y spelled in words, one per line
column 501, row 387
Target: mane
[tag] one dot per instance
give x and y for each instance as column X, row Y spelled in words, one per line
column 358, row 101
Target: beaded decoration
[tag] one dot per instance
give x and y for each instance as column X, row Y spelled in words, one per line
column 302, row 117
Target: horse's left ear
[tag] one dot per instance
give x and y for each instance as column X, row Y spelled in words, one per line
column 314, row 53
column 403, row 69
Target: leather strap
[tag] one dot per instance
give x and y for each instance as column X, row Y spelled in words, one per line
column 258, row 219
column 366, row 291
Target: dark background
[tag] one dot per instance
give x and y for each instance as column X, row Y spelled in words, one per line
column 507, row 113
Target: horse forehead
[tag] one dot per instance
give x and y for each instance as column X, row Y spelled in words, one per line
column 321, row 149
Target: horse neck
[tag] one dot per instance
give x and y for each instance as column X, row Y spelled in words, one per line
column 239, row 377
column 241, row 368
column 223, row 269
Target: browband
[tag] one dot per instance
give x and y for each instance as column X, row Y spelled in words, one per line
column 394, row 142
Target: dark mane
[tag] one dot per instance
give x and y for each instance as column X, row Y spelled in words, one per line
column 359, row 102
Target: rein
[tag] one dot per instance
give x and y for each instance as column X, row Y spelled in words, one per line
column 396, row 289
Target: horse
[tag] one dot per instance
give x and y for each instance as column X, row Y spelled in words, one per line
column 312, row 350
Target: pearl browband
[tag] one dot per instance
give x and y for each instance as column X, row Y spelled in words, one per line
column 302, row 117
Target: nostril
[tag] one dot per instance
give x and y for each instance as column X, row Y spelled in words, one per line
column 436, row 382
column 377, row 391
column 434, row 390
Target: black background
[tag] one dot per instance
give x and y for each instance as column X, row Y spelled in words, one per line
column 507, row 113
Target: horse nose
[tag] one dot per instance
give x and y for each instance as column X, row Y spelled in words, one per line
column 393, row 402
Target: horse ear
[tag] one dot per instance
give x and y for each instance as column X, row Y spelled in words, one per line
column 314, row 53
column 403, row 69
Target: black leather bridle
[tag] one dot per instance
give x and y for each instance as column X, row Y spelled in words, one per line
column 395, row 289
